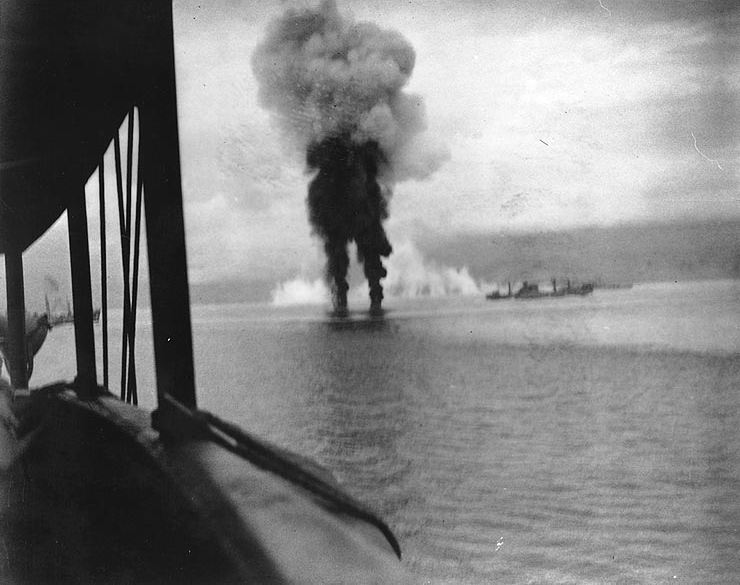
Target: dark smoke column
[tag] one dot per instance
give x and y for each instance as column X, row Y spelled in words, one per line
column 346, row 203
column 335, row 88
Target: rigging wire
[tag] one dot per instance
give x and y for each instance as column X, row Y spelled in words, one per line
column 131, row 393
column 103, row 269
column 128, row 212
column 124, row 215
column 129, row 171
column 122, row 230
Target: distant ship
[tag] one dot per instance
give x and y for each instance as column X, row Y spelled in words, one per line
column 584, row 289
column 532, row 291
column 68, row 317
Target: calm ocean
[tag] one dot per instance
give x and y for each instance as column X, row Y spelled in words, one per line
column 571, row 440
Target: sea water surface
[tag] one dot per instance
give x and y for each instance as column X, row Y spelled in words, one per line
column 571, row 440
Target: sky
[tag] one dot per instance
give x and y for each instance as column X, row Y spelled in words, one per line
column 550, row 115
column 554, row 115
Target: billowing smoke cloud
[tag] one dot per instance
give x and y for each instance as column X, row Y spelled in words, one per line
column 335, row 86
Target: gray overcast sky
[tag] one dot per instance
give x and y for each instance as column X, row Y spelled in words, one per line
column 555, row 115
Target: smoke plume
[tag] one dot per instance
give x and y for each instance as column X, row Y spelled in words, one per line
column 335, row 87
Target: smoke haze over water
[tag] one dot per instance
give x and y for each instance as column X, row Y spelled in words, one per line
column 335, row 87
column 410, row 275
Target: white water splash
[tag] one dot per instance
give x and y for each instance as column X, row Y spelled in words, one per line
column 300, row 291
column 409, row 276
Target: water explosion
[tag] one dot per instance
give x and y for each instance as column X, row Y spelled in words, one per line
column 336, row 87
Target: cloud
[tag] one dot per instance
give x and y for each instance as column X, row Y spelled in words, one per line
column 615, row 99
column 225, row 240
